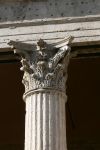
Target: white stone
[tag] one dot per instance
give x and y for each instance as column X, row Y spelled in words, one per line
column 45, row 121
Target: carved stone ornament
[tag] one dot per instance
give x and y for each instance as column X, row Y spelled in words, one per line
column 44, row 66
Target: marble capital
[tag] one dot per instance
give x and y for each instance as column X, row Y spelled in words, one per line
column 44, row 65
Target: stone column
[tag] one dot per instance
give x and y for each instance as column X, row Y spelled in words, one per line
column 45, row 75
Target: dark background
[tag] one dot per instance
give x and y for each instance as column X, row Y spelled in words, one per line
column 82, row 109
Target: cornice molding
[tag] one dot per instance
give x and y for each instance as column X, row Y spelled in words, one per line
column 49, row 21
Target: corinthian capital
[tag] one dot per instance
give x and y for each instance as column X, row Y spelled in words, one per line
column 44, row 65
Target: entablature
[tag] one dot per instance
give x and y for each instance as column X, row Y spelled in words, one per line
column 28, row 21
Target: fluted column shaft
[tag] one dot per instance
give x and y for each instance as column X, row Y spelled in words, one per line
column 45, row 127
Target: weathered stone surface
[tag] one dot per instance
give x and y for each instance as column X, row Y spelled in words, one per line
column 85, row 33
column 51, row 20
column 40, row 9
